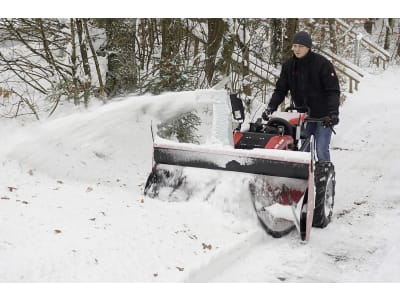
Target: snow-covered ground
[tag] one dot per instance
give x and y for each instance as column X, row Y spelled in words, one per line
column 72, row 207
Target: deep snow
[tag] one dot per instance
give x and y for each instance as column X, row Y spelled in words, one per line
column 72, row 207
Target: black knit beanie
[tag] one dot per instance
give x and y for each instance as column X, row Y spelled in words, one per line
column 302, row 38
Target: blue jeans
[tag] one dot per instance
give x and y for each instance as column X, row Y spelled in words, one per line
column 322, row 137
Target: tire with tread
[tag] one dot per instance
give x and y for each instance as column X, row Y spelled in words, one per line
column 324, row 175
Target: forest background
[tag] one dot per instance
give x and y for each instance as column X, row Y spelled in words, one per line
column 45, row 62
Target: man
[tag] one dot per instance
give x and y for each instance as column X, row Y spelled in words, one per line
column 314, row 86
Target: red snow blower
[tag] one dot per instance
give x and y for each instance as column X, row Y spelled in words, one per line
column 289, row 188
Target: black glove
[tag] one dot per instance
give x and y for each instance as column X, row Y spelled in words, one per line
column 265, row 115
column 335, row 119
column 331, row 121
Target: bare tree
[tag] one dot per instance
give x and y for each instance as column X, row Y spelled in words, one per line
column 95, row 59
column 216, row 30
column 290, row 30
column 167, row 49
column 389, row 31
column 36, row 60
column 368, row 25
column 398, row 46
column 119, row 48
column 74, row 66
column 332, row 35
column 276, row 41
column 87, row 80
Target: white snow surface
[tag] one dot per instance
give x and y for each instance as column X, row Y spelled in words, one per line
column 72, row 207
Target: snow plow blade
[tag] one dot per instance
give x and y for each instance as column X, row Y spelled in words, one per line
column 271, row 177
column 256, row 161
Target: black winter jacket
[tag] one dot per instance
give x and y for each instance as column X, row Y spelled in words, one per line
column 312, row 82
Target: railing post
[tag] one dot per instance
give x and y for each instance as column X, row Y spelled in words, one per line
column 350, row 85
column 357, row 42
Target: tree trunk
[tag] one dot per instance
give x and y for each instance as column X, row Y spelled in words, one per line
column 244, row 47
column 398, row 46
column 168, row 70
column 151, row 44
column 196, row 52
column 216, row 30
column 389, row 30
column 120, row 77
column 142, row 45
column 74, row 67
column 321, row 32
column 167, row 39
column 276, row 42
column 187, row 44
column 368, row 25
column 87, row 81
column 290, row 30
column 96, row 61
column 332, row 35
column 228, row 46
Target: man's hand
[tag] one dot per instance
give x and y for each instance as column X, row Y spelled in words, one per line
column 267, row 112
column 331, row 121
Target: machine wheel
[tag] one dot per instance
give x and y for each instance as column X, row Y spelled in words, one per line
column 275, row 122
column 324, row 193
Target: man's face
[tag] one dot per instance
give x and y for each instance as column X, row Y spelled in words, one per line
column 300, row 50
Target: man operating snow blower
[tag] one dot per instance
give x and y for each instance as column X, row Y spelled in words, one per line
column 285, row 173
column 314, row 87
